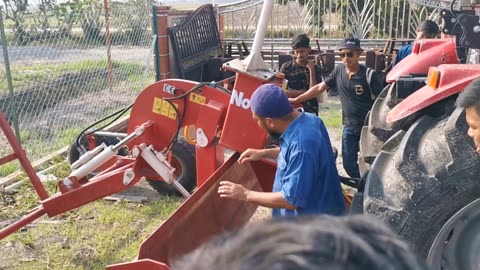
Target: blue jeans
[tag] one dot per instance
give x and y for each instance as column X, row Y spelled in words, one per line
column 350, row 148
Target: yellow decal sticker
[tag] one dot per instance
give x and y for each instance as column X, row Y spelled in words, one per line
column 162, row 107
column 197, row 98
column 157, row 105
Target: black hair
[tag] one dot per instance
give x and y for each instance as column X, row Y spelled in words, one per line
column 321, row 242
column 470, row 97
column 429, row 29
column 301, row 41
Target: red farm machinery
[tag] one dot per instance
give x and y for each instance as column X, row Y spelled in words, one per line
column 420, row 168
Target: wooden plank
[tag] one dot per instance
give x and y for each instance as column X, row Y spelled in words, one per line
column 128, row 198
column 13, row 177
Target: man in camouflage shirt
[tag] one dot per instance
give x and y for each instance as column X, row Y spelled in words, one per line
column 302, row 73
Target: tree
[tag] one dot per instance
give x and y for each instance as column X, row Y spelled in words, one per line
column 132, row 18
column 88, row 13
column 16, row 10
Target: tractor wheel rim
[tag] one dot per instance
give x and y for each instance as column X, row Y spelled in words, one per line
column 458, row 241
column 177, row 164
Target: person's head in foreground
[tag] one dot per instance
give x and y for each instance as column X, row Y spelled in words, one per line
column 469, row 99
column 321, row 242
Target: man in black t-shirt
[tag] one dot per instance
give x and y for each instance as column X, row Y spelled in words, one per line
column 302, row 73
column 358, row 87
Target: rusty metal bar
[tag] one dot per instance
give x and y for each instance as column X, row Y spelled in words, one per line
column 8, row 158
column 22, row 222
column 22, row 157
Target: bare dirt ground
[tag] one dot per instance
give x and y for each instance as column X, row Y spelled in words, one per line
column 50, row 54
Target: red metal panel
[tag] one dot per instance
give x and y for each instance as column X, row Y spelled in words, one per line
column 433, row 52
column 241, row 131
column 203, row 215
column 210, row 117
column 148, row 107
column 206, row 162
column 265, row 171
column 145, row 264
column 453, row 79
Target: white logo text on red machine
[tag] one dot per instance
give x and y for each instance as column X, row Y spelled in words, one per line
column 238, row 100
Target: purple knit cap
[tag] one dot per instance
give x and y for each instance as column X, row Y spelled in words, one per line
column 269, row 100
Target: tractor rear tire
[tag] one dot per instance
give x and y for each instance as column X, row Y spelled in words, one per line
column 376, row 130
column 184, row 155
column 417, row 185
column 74, row 154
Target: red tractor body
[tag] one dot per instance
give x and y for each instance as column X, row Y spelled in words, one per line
column 425, row 53
column 444, row 81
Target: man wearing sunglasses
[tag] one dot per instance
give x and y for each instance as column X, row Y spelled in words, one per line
column 302, row 73
column 358, row 87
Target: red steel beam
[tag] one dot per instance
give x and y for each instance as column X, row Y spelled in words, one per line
column 22, row 157
column 22, row 222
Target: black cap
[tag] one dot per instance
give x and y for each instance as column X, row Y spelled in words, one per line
column 351, row 44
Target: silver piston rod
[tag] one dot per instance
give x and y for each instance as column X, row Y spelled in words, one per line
column 162, row 167
column 101, row 154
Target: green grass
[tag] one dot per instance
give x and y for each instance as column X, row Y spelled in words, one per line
column 331, row 118
column 25, row 75
column 91, row 237
column 8, row 168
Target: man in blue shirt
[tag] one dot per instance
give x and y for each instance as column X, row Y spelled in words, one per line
column 426, row 29
column 306, row 180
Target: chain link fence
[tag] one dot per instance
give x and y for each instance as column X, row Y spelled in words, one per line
column 70, row 64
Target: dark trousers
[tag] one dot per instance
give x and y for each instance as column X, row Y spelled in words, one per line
column 350, row 148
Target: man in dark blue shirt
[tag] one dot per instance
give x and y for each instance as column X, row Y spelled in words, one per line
column 426, row 29
column 306, row 181
column 357, row 87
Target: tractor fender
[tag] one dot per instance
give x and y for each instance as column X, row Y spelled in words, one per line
column 453, row 79
column 431, row 53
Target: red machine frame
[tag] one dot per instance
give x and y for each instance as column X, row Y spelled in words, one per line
column 221, row 120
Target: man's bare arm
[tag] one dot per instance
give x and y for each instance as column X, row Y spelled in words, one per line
column 311, row 93
column 313, row 75
column 235, row 191
column 293, row 93
column 256, row 154
column 269, row 199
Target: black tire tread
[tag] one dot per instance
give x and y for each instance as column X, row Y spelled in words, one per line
column 432, row 174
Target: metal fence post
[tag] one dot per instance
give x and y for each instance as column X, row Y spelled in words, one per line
column 108, row 42
column 8, row 75
column 157, row 51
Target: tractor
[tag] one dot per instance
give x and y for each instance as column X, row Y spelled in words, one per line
column 420, row 168
column 421, row 180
